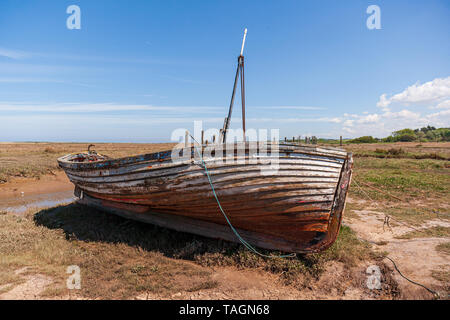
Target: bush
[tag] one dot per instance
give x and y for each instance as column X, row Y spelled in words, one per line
column 395, row 151
column 406, row 137
column 364, row 139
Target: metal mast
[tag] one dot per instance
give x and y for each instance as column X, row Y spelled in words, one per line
column 239, row 70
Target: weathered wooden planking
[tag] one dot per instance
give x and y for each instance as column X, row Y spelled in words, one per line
column 168, row 167
column 207, row 229
column 195, row 170
column 330, row 155
column 300, row 203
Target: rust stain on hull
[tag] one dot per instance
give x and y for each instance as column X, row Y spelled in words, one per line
column 298, row 208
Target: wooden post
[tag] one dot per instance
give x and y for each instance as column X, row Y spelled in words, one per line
column 340, row 141
column 186, row 139
column 203, row 135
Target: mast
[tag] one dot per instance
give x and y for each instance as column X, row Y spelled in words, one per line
column 239, row 70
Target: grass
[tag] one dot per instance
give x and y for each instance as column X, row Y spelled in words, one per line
column 120, row 258
column 347, row 249
column 399, row 173
column 441, row 275
column 399, row 153
column 407, row 150
column 402, row 178
column 415, row 216
column 8, row 280
column 112, row 263
column 32, row 160
column 443, row 247
column 435, row 232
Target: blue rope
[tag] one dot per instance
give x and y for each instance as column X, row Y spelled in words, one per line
column 245, row 243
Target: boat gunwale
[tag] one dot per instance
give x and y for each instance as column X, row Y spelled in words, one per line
column 163, row 156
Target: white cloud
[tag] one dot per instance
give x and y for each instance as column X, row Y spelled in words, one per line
column 443, row 105
column 383, row 103
column 348, row 123
column 13, row 54
column 97, row 107
column 383, row 124
column 322, row 119
column 371, row 118
column 293, row 108
column 107, row 107
column 403, row 114
column 429, row 92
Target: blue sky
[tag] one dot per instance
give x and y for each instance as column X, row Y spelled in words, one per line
column 137, row 70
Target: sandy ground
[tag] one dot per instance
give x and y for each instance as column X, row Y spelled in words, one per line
column 20, row 187
column 416, row 258
column 336, row 284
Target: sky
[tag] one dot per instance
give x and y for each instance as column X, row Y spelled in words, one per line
column 136, row 71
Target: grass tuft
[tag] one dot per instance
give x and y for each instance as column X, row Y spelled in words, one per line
column 435, row 232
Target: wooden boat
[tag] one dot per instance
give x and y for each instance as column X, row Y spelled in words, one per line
column 296, row 208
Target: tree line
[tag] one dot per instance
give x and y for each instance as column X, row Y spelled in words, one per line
column 424, row 134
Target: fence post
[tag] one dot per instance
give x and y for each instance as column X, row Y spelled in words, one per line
column 186, row 139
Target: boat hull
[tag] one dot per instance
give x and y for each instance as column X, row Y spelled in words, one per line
column 297, row 208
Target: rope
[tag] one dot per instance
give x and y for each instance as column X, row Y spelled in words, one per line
column 387, row 217
column 242, row 240
column 251, row 248
column 436, row 294
column 386, row 222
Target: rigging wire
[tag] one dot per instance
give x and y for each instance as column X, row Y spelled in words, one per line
column 242, row 240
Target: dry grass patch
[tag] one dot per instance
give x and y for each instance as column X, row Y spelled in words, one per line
column 433, row 232
column 414, row 215
column 298, row 271
column 113, row 264
column 32, row 160
column 120, row 258
column 441, row 275
column 444, row 248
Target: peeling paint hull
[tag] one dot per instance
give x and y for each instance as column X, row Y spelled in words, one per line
column 297, row 208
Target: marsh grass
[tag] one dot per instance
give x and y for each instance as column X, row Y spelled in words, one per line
column 32, row 160
column 121, row 258
column 415, row 216
column 442, row 275
column 435, row 232
column 444, row 248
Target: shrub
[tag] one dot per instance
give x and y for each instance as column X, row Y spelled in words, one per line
column 364, row 139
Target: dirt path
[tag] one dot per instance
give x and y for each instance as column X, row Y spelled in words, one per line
column 416, row 258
